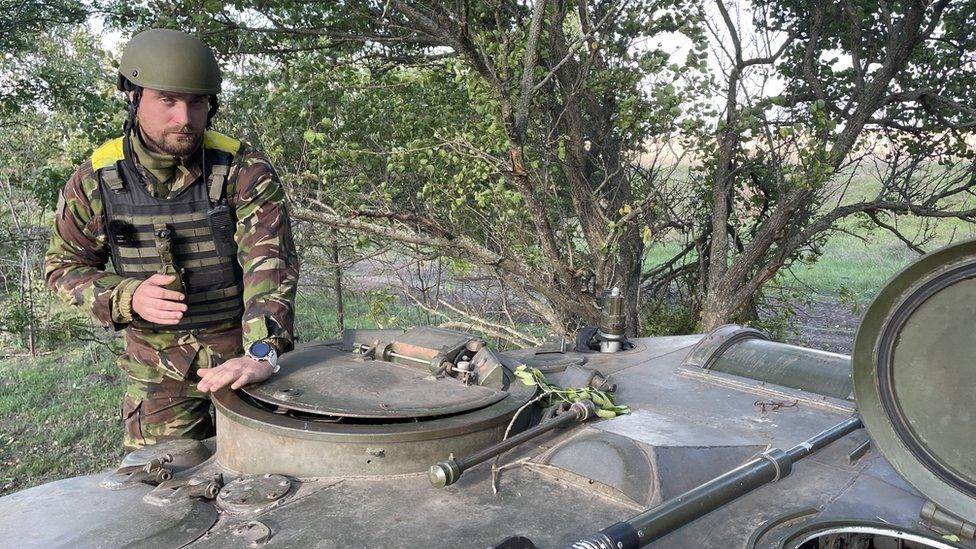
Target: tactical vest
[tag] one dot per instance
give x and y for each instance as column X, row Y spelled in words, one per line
column 197, row 222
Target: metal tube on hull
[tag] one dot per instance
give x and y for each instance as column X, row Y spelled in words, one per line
column 448, row 472
column 667, row 517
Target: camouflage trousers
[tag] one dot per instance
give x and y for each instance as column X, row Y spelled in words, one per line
column 161, row 399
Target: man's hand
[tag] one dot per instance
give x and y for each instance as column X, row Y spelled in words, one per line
column 237, row 371
column 154, row 303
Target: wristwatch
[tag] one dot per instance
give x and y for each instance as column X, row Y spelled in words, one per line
column 264, row 352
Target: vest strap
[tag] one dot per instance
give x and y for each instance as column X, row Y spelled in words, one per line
column 111, row 177
column 218, row 176
column 211, row 277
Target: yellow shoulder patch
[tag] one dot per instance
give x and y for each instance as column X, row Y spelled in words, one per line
column 108, row 154
column 111, row 151
column 217, row 140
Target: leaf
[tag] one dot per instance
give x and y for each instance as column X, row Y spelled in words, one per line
column 647, row 236
column 603, row 401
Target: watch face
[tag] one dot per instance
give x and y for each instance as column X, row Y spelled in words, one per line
column 260, row 349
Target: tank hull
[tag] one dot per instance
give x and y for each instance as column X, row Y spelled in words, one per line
column 685, row 429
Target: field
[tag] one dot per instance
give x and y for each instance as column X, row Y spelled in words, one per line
column 59, row 413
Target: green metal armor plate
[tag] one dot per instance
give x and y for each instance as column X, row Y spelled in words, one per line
column 914, row 368
column 79, row 512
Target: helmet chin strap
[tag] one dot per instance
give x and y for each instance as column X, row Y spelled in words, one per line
column 128, row 128
column 214, row 105
column 132, row 108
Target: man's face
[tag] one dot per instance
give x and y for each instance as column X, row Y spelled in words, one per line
column 172, row 123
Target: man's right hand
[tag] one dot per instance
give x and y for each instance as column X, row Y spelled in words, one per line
column 154, row 303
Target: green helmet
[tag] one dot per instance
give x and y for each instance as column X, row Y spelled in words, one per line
column 169, row 60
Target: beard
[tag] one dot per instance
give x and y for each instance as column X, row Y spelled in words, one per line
column 175, row 141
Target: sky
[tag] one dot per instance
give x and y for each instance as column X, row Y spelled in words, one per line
column 112, row 40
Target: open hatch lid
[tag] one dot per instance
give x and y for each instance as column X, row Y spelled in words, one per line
column 914, row 370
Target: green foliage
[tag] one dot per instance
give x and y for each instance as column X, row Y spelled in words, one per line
column 850, row 299
column 53, row 327
column 939, row 66
column 32, row 69
column 59, row 417
column 367, row 115
column 382, row 308
column 45, row 133
column 552, row 395
column 780, row 307
column 370, row 122
column 667, row 319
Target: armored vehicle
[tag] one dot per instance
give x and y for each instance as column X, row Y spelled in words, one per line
column 428, row 438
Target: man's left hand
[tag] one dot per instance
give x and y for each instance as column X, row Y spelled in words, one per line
column 237, row 372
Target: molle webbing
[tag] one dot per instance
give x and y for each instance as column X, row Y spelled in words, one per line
column 214, row 291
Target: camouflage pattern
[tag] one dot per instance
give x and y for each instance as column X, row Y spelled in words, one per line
column 161, row 398
column 158, row 406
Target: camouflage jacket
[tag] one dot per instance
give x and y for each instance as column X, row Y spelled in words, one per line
column 76, row 260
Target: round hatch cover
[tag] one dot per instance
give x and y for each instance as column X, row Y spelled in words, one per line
column 914, row 374
column 317, row 379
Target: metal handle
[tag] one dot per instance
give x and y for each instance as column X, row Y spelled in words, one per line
column 448, row 472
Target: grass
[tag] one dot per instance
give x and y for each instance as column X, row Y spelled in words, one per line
column 861, row 265
column 851, row 265
column 59, row 417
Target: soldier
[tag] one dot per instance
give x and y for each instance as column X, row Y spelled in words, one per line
column 196, row 226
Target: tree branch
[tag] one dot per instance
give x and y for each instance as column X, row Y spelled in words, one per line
column 461, row 247
column 528, row 72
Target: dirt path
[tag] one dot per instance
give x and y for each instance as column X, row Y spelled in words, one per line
column 825, row 325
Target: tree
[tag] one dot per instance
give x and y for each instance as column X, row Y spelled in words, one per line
column 28, row 75
column 512, row 136
column 901, row 103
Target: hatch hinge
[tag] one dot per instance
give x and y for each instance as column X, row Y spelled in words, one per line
column 151, row 471
column 946, row 523
column 174, row 490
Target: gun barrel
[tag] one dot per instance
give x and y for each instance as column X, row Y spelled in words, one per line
column 667, row 517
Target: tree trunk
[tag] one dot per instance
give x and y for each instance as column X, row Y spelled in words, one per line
column 337, row 283
column 716, row 309
column 27, row 297
column 730, row 286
